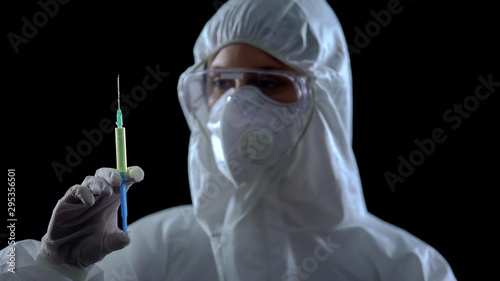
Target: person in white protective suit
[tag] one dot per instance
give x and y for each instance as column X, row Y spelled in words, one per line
column 275, row 187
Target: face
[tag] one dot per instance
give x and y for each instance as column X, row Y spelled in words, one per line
column 246, row 56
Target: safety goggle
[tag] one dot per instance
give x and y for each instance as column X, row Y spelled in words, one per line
column 201, row 89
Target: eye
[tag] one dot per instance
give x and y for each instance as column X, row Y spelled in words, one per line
column 216, row 87
column 267, row 84
column 272, row 85
column 222, row 83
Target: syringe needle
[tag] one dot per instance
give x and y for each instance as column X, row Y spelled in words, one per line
column 118, row 87
column 119, row 117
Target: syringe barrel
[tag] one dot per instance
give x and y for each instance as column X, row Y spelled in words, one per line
column 121, row 150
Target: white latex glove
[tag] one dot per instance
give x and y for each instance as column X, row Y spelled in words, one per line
column 83, row 228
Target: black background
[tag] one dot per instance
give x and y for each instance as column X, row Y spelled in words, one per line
column 424, row 61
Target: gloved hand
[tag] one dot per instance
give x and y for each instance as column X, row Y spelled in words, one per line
column 83, row 228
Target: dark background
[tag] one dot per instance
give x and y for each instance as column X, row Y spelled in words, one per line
column 428, row 58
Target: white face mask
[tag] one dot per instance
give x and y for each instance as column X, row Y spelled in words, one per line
column 250, row 132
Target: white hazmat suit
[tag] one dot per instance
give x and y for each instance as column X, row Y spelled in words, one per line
column 304, row 219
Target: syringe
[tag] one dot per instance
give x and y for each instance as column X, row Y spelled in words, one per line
column 121, row 159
